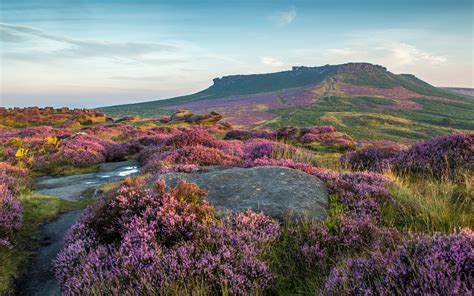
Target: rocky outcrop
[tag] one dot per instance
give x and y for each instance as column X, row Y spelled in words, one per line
column 187, row 116
column 277, row 191
column 211, row 118
column 180, row 115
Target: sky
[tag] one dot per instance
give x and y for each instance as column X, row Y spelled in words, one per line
column 100, row 53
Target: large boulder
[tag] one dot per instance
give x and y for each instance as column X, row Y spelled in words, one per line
column 277, row 191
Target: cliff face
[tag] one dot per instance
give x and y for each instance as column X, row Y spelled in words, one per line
column 297, row 76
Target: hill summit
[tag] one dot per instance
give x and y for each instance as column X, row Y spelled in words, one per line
column 356, row 97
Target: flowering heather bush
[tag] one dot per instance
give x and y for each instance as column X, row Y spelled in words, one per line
column 370, row 159
column 199, row 155
column 436, row 265
column 361, row 193
column 318, row 130
column 192, row 137
column 11, row 215
column 80, row 151
column 243, row 135
column 153, row 241
column 14, row 178
column 445, row 157
column 288, row 133
column 118, row 151
column 324, row 244
column 258, row 148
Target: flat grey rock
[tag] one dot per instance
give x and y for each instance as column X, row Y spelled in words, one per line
column 277, row 191
column 72, row 187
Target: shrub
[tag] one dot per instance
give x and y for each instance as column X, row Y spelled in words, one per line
column 370, row 159
column 444, row 157
column 325, row 244
column 197, row 154
column 241, row 135
column 153, row 241
column 436, row 265
column 244, row 135
column 11, row 215
column 192, row 137
column 14, row 178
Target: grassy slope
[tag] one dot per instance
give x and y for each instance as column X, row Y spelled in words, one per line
column 229, row 86
column 260, row 83
column 362, row 118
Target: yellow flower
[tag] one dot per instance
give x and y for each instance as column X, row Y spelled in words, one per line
column 53, row 140
column 21, row 152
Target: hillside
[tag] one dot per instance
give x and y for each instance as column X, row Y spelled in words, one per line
column 364, row 100
column 461, row 90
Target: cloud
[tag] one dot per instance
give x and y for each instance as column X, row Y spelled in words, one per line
column 283, row 18
column 139, row 78
column 69, row 47
column 272, row 62
column 407, row 54
column 394, row 54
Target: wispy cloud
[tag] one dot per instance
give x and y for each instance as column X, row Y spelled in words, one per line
column 283, row 18
column 69, row 47
column 272, row 62
column 396, row 55
column 139, row 78
column 407, row 54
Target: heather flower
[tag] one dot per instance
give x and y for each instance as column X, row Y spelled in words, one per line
column 195, row 136
column 196, row 154
column 15, row 178
column 244, row 135
column 326, row 243
column 370, row 159
column 434, row 265
column 445, row 157
column 11, row 215
column 141, row 240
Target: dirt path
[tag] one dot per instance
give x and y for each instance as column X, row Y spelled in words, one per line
column 40, row 279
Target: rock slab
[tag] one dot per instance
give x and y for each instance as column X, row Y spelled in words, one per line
column 277, row 191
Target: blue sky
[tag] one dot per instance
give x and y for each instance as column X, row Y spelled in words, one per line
column 96, row 53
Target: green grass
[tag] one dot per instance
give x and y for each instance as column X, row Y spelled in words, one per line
column 366, row 118
column 38, row 209
column 65, row 171
column 426, row 205
column 291, row 278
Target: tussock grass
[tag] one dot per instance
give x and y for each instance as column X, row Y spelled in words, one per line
column 428, row 205
column 295, row 153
